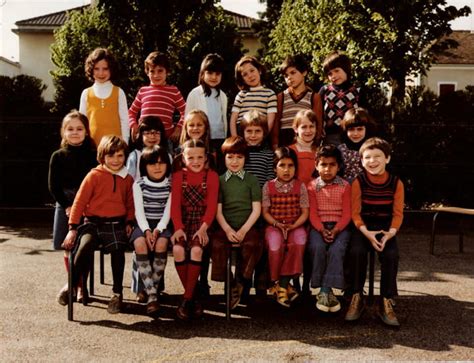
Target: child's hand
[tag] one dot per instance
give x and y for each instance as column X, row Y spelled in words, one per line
column 241, row 233
column 68, row 211
column 387, row 236
column 232, row 236
column 128, row 230
column 134, row 132
column 68, row 243
column 177, row 235
column 372, row 237
column 156, row 235
column 175, row 135
column 327, row 235
column 150, row 240
column 201, row 234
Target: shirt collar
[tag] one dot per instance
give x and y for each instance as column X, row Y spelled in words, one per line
column 240, row 174
column 320, row 183
column 279, row 184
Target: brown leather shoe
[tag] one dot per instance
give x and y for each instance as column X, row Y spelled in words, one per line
column 142, row 297
column 152, row 307
column 198, row 310
column 387, row 314
column 356, row 308
column 183, row 310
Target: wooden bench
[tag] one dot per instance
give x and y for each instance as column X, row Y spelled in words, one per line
column 455, row 210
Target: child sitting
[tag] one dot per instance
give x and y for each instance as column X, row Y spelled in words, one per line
column 377, row 213
column 330, row 214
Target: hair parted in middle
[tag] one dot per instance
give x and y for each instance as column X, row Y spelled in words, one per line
column 184, row 132
column 97, row 55
column 212, row 62
column 285, row 152
column 238, row 70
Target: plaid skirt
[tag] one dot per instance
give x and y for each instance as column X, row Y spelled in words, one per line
column 109, row 233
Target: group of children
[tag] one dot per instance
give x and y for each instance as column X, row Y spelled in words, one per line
column 299, row 186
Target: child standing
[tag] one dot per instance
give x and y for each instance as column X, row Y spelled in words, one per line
column 298, row 96
column 253, row 95
column 104, row 104
column 285, row 208
column 238, row 209
column 357, row 126
column 339, row 95
column 105, row 199
column 330, row 206
column 152, row 199
column 193, row 208
column 67, row 168
column 377, row 213
column 158, row 99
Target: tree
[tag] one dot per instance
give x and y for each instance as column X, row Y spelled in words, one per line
column 21, row 96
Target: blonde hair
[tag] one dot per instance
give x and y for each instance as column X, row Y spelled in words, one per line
column 184, row 132
column 254, row 118
column 311, row 116
column 74, row 114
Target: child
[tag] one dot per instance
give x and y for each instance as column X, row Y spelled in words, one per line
column 237, row 211
column 248, row 74
column 330, row 206
column 104, row 104
column 298, row 96
column 305, row 146
column 193, row 208
column 285, row 208
column 105, row 199
column 357, row 126
column 67, row 168
column 152, row 199
column 339, row 95
column 377, row 213
column 210, row 99
column 158, row 99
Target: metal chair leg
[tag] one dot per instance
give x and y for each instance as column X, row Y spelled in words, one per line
column 70, row 287
column 433, row 233
column 371, row 276
column 91, row 274
column 227, row 285
column 101, row 267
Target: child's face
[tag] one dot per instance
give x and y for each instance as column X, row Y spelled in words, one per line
column 285, row 170
column 375, row 161
column 306, row 130
column 327, row 168
column 157, row 75
column 294, row 78
column 156, row 171
column 115, row 161
column 234, row 162
column 212, row 79
column 195, row 128
column 337, row 76
column 356, row 134
column 74, row 132
column 253, row 135
column 101, row 71
column 195, row 158
column 250, row 75
column 151, row 138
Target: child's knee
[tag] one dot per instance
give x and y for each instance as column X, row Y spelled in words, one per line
column 196, row 253
column 178, row 252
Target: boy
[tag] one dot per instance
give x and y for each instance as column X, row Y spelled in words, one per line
column 298, row 96
column 158, row 99
column 105, row 199
column 338, row 96
column 238, row 209
column 330, row 214
column 377, row 213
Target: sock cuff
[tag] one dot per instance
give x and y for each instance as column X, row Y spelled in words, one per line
column 180, row 263
column 163, row 255
column 196, row 263
column 143, row 257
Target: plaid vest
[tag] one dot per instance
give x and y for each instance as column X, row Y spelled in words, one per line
column 285, row 207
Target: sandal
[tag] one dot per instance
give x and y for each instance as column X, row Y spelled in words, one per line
column 236, row 293
column 282, row 297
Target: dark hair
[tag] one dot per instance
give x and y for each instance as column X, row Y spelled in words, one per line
column 157, row 59
column 285, row 152
column 376, row 143
column 254, row 118
column 296, row 61
column 109, row 145
column 148, row 123
column 153, row 155
column 329, row 151
column 75, row 114
column 234, row 145
column 212, row 63
column 337, row 60
column 238, row 70
column 357, row 117
column 97, row 55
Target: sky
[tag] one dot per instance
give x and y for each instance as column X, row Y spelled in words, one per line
column 14, row 10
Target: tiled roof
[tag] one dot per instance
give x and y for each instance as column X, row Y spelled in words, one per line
column 463, row 54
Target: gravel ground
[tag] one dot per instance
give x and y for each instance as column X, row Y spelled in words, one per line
column 435, row 309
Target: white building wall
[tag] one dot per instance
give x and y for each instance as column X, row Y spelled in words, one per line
column 461, row 75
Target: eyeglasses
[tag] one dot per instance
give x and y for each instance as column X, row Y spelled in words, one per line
column 151, row 133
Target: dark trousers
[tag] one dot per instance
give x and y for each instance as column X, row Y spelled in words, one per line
column 358, row 258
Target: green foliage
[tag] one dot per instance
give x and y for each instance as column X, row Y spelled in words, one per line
column 21, row 96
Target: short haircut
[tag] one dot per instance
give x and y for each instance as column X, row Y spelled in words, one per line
column 357, row 117
column 337, row 60
column 300, row 115
column 97, row 55
column 148, row 123
column 184, row 132
column 285, row 152
column 212, row 63
column 296, row 61
column 234, row 145
column 75, row 114
column 238, row 70
column 329, row 151
column 153, row 155
column 254, row 118
column 109, row 145
column 157, row 59
column 376, row 143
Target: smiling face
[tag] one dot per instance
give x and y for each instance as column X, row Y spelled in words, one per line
column 151, row 138
column 306, row 130
column 285, row 170
column 195, row 128
column 356, row 134
column 115, row 161
column 101, row 71
column 157, row 75
column 374, row 161
column 194, row 158
column 253, row 135
column 327, row 168
column 337, row 76
column 250, row 75
column 234, row 162
column 294, row 78
column 212, row 79
column 157, row 171
column 74, row 132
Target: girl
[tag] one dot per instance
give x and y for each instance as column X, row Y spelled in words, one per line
column 285, row 207
column 305, row 144
column 248, row 74
column 196, row 126
column 357, row 127
column 67, row 168
column 193, row 208
column 152, row 199
column 104, row 103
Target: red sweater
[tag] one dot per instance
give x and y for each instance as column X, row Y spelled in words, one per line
column 103, row 194
column 194, row 179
